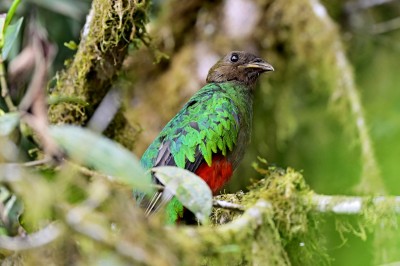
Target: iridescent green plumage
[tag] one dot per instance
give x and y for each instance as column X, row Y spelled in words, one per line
column 208, row 123
column 216, row 121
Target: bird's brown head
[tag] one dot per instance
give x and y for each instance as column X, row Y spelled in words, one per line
column 238, row 66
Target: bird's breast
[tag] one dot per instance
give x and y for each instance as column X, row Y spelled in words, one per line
column 217, row 174
column 244, row 134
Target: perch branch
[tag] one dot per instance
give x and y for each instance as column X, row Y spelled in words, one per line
column 4, row 88
column 255, row 223
column 228, row 205
column 335, row 204
column 254, row 217
column 353, row 205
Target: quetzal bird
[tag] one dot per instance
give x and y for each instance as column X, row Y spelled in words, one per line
column 211, row 132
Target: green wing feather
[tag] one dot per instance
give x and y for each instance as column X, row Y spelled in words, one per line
column 207, row 124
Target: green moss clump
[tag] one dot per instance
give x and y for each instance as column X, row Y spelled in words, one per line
column 379, row 220
column 222, row 216
column 298, row 227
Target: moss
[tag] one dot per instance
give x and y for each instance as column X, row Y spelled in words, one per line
column 222, row 216
column 122, row 131
column 298, row 227
column 245, row 241
column 378, row 219
column 109, row 31
column 308, row 45
column 292, row 229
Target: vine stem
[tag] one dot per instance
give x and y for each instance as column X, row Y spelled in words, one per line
column 4, row 88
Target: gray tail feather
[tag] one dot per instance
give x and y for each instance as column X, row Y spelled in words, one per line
column 154, row 204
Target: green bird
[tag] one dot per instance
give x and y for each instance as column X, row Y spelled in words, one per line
column 210, row 134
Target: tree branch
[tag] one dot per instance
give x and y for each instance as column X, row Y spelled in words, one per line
column 345, row 89
column 228, row 205
column 353, row 205
column 4, row 88
column 108, row 31
column 335, row 204
column 43, row 237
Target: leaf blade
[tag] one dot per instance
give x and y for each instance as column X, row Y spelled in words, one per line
column 2, row 27
column 10, row 37
column 11, row 12
column 92, row 149
column 8, row 122
column 192, row 191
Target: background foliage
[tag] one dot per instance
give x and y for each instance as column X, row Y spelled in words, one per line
column 303, row 119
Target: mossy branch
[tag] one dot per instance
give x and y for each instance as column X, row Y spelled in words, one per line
column 4, row 88
column 43, row 237
column 255, row 224
column 276, row 225
column 335, row 204
column 354, row 205
column 345, row 89
column 109, row 30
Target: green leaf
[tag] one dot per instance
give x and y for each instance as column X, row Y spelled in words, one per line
column 72, row 8
column 8, row 122
column 92, row 149
column 71, row 45
column 10, row 37
column 2, row 26
column 11, row 12
column 188, row 188
column 12, row 209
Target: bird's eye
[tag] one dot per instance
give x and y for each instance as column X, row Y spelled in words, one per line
column 234, row 57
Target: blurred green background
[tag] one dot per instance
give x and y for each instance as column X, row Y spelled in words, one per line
column 295, row 124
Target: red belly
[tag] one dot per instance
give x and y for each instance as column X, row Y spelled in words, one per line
column 217, row 174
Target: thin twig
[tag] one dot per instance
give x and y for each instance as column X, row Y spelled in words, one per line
column 355, row 6
column 353, row 205
column 34, row 240
column 228, row 205
column 389, row 25
column 37, row 162
column 4, row 88
column 91, row 173
column 88, row 172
